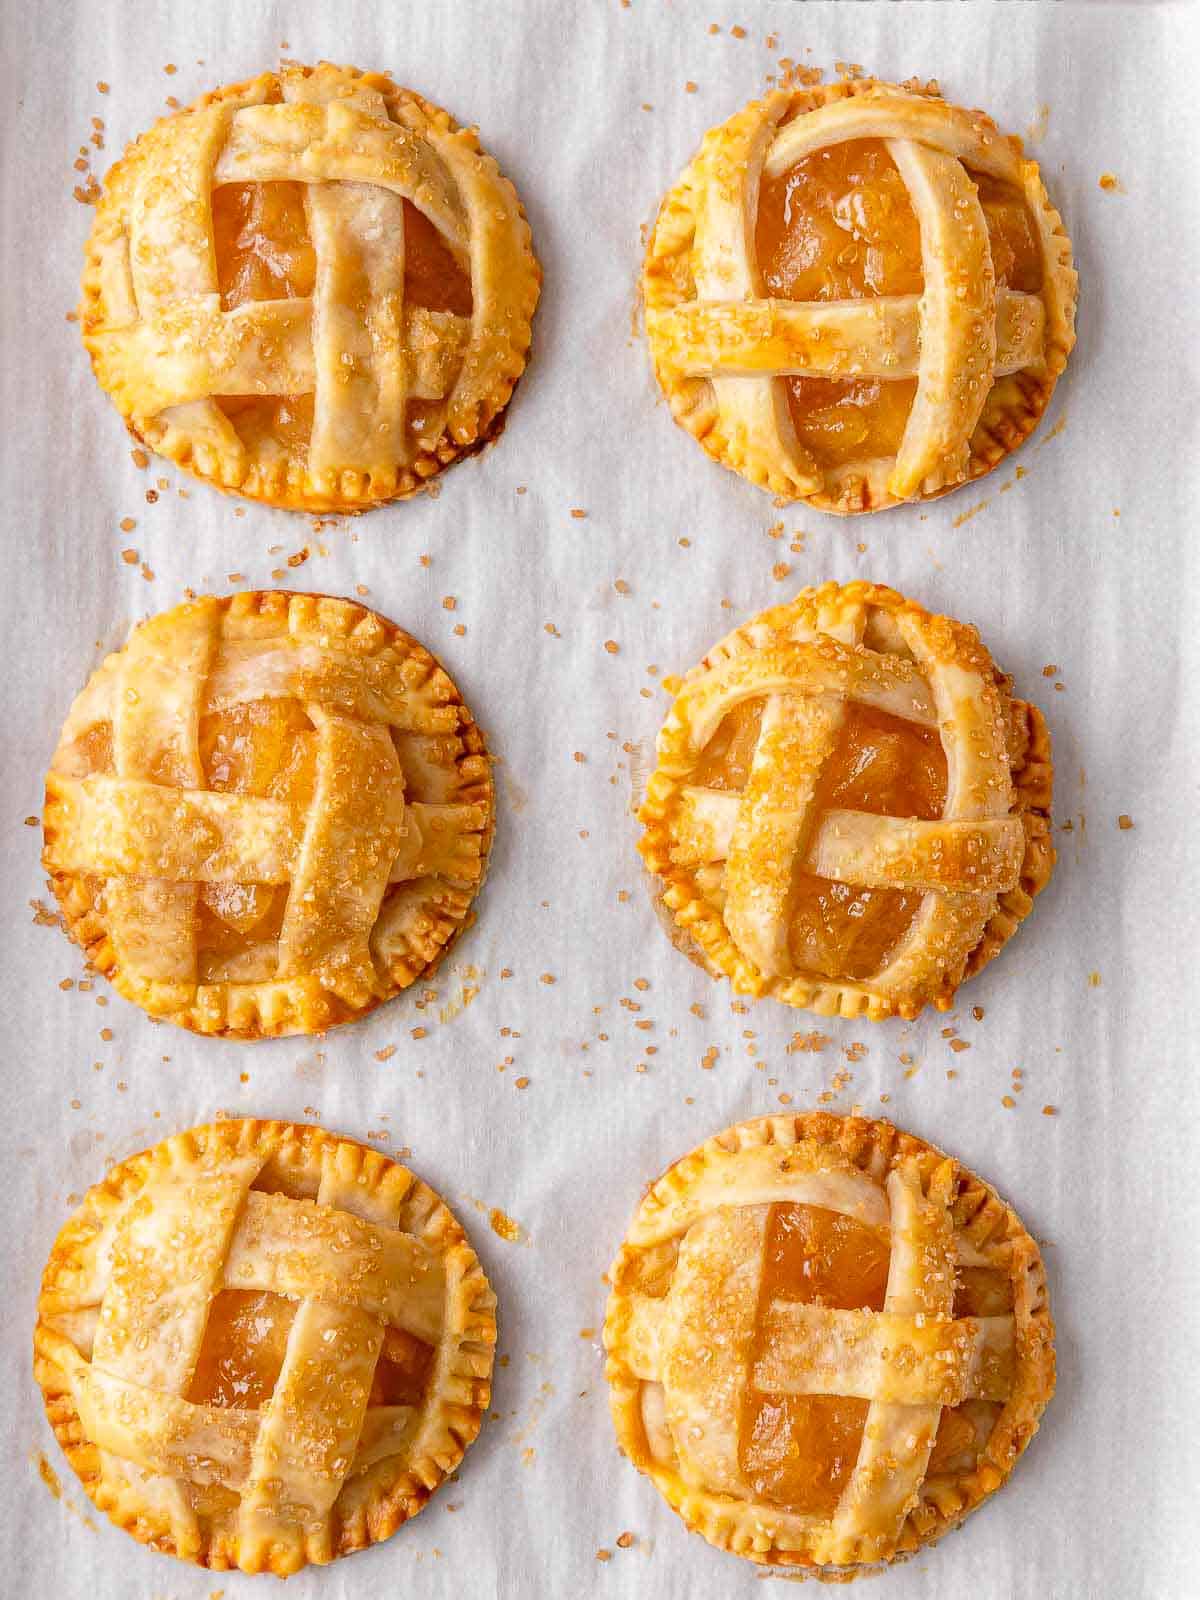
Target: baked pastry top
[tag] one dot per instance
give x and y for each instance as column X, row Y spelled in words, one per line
column 313, row 289
column 267, row 814
column 827, row 1342
column 858, row 294
column 850, row 807
column 261, row 1345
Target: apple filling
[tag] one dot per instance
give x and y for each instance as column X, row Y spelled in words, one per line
column 265, row 748
column 799, row 1451
column 268, row 749
column 880, row 764
column 245, row 1342
column 839, row 225
column 264, row 252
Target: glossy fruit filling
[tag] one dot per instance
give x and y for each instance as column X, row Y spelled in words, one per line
column 245, row 1342
column 432, row 276
column 265, row 748
column 264, row 252
column 402, row 1370
column 1016, row 253
column 963, row 1432
column 982, row 1292
column 880, row 764
column 890, row 768
column 839, row 225
column 799, row 1450
column 260, row 233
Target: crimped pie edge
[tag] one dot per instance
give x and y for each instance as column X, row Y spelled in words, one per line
column 699, row 929
column 876, row 1147
column 305, row 1010
column 1010, row 414
column 395, row 1496
column 354, row 493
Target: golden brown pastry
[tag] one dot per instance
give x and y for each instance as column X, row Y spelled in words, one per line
column 267, row 814
column 857, row 294
column 261, row 1345
column 313, row 289
column 850, row 810
column 827, row 1341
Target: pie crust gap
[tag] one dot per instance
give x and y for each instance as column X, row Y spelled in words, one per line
column 261, row 1345
column 827, row 1342
column 850, row 810
column 267, row 814
column 313, row 289
column 857, row 295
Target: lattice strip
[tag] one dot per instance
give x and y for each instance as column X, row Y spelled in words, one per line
column 892, row 114
column 717, row 1281
column 864, row 848
column 886, row 683
column 488, row 257
column 199, row 1444
column 357, row 232
column 311, row 1426
column 878, row 338
column 302, row 1251
column 726, row 269
column 897, row 1439
column 761, row 1175
column 263, row 347
column 379, row 687
column 125, row 828
column 376, row 688
column 154, row 1310
column 354, row 828
column 909, row 853
column 165, row 1434
column 173, row 260
column 189, row 352
column 339, row 143
column 979, row 783
column 155, row 723
column 957, row 319
column 776, row 814
column 892, row 1358
column 796, row 738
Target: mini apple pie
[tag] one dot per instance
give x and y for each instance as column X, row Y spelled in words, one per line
column 827, row 1342
column 261, row 1345
column 266, row 814
column 313, row 289
column 850, row 810
column 858, row 294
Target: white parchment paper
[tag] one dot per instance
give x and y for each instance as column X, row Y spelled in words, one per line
column 1085, row 565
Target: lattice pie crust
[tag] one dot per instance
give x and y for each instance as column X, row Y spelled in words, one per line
column 261, row 1345
column 267, row 814
column 850, row 810
column 313, row 289
column 857, row 294
column 827, row 1342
